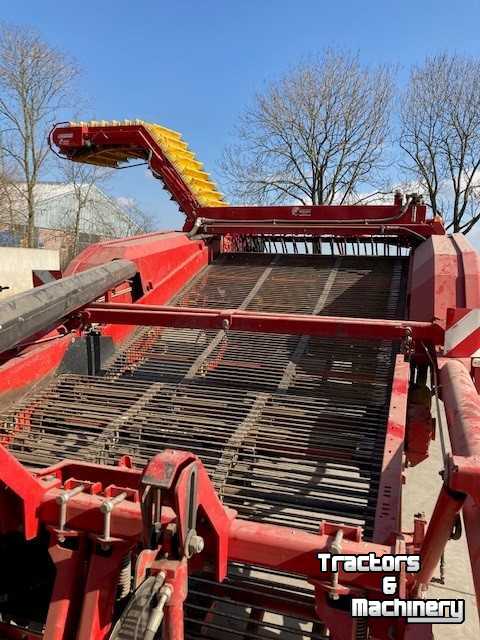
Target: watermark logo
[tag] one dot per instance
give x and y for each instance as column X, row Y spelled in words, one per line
column 438, row 611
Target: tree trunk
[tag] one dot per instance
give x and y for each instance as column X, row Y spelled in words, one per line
column 76, row 231
column 31, row 219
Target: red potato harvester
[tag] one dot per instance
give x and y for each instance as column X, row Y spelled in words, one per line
column 189, row 418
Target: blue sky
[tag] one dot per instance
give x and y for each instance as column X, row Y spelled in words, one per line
column 194, row 65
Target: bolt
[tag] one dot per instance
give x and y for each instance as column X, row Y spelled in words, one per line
column 336, row 549
column 195, row 545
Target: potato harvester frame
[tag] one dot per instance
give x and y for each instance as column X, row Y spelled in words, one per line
column 189, row 418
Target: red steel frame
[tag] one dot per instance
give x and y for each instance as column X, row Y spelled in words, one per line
column 322, row 220
column 166, row 263
column 237, row 320
column 462, row 470
column 388, row 511
column 133, row 140
column 226, row 538
column 136, row 142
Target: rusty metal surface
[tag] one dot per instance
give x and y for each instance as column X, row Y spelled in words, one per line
column 290, row 428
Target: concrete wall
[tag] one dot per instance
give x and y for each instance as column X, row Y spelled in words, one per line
column 16, row 266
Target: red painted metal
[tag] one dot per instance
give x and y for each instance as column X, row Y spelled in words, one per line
column 170, row 277
column 237, row 320
column 99, row 592
column 346, row 214
column 175, row 468
column 226, row 538
column 462, row 334
column 420, row 426
column 471, row 518
column 17, row 633
column 444, row 273
column 176, row 577
column 20, row 482
column 63, row 615
column 462, row 409
column 388, row 511
column 81, row 142
column 469, row 267
column 290, row 550
column 463, row 474
column 33, row 363
column 270, row 546
column 43, row 276
column 439, row 531
column 420, row 432
column 166, row 262
column 337, row 220
column 411, row 233
column 137, row 142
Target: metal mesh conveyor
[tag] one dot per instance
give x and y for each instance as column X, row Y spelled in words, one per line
column 236, row 607
column 290, row 428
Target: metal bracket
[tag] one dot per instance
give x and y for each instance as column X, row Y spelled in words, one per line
column 462, row 474
column 178, row 480
column 93, row 350
column 106, row 508
column 63, row 500
column 407, row 346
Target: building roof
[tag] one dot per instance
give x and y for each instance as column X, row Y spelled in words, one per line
column 56, row 207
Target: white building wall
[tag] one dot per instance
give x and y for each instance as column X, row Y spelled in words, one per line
column 16, row 266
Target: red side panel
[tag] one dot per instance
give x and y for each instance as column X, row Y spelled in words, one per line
column 470, row 270
column 445, row 273
column 166, row 262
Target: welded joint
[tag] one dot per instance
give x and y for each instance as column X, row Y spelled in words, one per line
column 462, row 474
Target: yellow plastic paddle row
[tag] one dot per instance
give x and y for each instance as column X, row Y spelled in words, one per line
column 178, row 153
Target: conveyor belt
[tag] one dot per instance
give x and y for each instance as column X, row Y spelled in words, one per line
column 251, row 604
column 166, row 142
column 291, row 429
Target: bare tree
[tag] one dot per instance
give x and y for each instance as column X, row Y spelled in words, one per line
column 84, row 179
column 440, row 135
column 91, row 214
column 34, row 82
column 314, row 137
column 137, row 220
column 129, row 220
column 10, row 217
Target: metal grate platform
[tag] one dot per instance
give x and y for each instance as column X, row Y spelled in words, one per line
column 290, row 428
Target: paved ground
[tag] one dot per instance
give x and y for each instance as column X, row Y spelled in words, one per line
column 420, row 493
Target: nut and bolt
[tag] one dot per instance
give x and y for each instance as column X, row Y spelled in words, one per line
column 195, row 545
